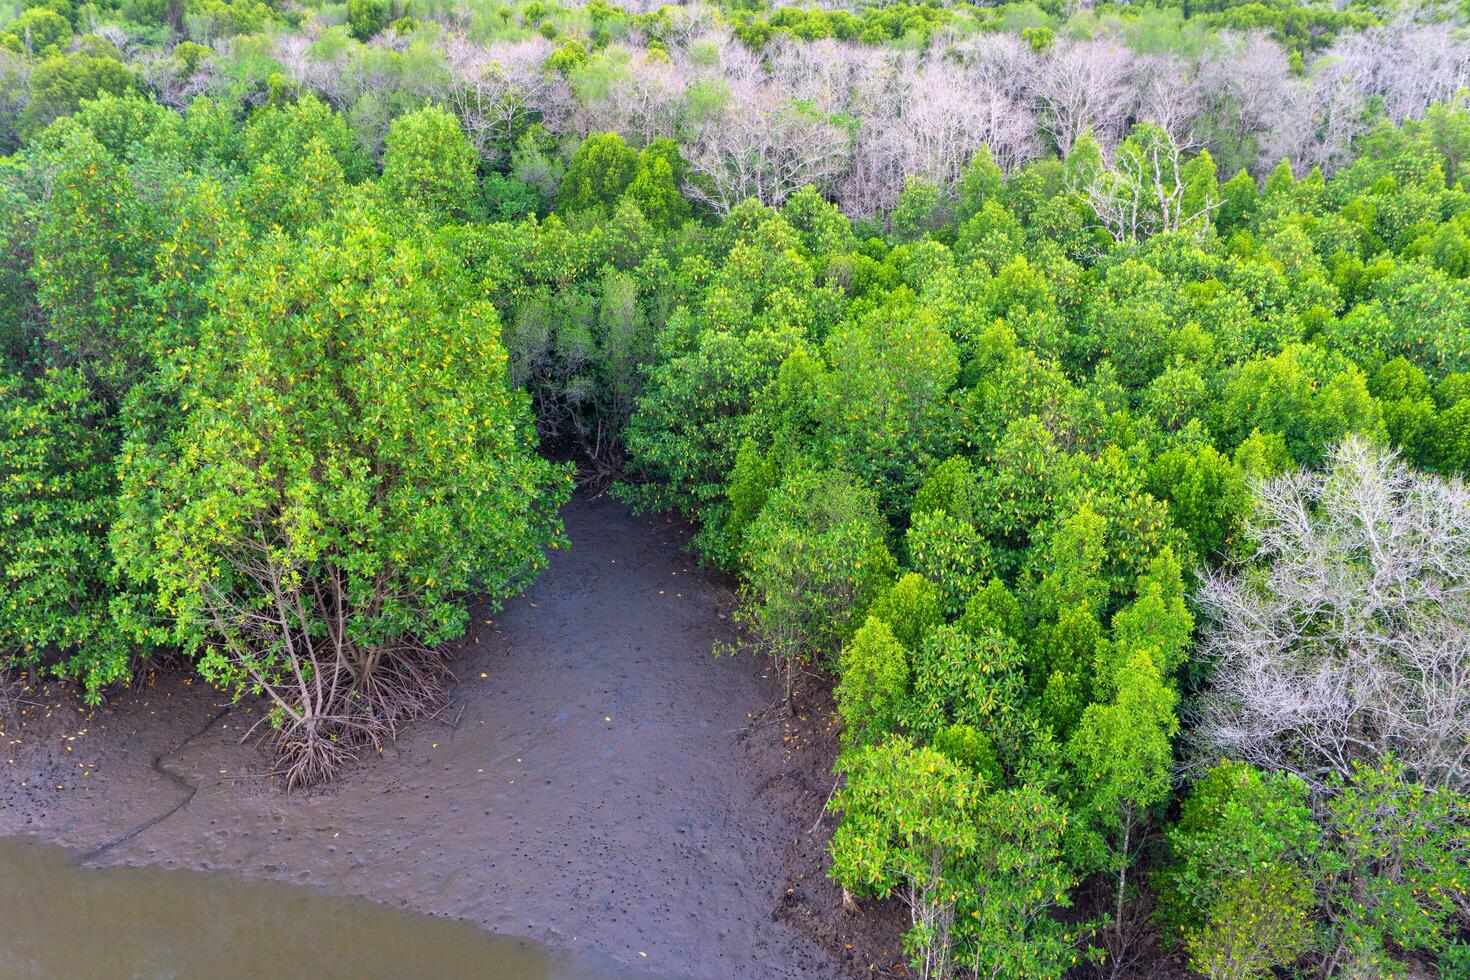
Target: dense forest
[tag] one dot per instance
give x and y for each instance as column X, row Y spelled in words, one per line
column 1083, row 391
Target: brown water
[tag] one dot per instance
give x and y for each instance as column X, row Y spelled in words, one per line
column 59, row 920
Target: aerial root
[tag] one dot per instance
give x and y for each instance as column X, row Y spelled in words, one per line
column 404, row 684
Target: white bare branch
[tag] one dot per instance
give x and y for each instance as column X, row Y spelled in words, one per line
column 1347, row 638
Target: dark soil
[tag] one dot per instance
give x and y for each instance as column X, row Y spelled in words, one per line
column 597, row 779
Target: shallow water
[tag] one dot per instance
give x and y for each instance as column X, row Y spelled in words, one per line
column 59, row 920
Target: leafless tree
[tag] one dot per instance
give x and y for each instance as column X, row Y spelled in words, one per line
column 1316, row 122
column 763, row 147
column 171, row 81
column 1409, row 64
column 15, row 95
column 294, row 52
column 1244, row 81
column 495, row 91
column 1347, row 637
column 117, row 34
column 1003, row 62
column 1405, row 65
column 835, row 76
column 642, row 103
column 874, row 176
column 1169, row 96
column 1086, row 85
column 1143, row 192
column 735, row 62
column 682, row 24
column 927, row 117
column 868, row 85
column 950, row 114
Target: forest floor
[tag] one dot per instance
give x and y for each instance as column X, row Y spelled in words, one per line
column 597, row 780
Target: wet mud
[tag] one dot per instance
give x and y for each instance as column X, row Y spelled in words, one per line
column 598, row 780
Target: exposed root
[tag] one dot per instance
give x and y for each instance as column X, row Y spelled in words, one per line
column 7, row 695
column 310, row 756
column 396, row 686
column 410, row 682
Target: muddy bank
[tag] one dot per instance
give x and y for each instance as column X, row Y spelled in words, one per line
column 598, row 780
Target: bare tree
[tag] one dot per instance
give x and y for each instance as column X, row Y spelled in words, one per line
column 836, row 76
column 1316, row 122
column 1085, row 85
column 1347, row 637
column 1169, row 96
column 295, row 53
column 737, row 63
column 951, row 114
column 1002, row 61
column 1143, row 193
column 764, row 148
column 870, row 86
column 497, row 91
column 171, row 81
column 927, row 117
column 1404, row 66
column 642, row 103
column 15, row 95
column 1244, row 80
column 1407, row 63
column 681, row 25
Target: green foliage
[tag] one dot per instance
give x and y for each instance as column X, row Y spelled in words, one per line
column 874, row 669
column 58, row 499
column 281, row 137
column 980, row 870
column 752, row 479
column 655, row 186
column 429, row 165
column 1122, row 751
column 368, row 17
column 1237, row 203
column 1013, row 877
column 950, row 553
column 963, row 679
column 1395, row 877
column 922, row 209
column 890, row 414
column 1257, row 923
column 1309, row 396
column 1208, row 496
column 37, row 31
column 1258, row 881
column 274, row 406
column 61, row 82
column 93, row 248
column 910, row 607
column 949, row 489
column 907, row 821
column 600, row 171
column 695, row 411
column 981, row 181
column 1238, row 893
column 814, row 560
column 504, row 198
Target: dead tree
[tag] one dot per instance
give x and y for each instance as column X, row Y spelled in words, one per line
column 1347, row 637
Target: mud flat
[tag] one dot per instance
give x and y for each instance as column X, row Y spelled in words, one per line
column 597, row 781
